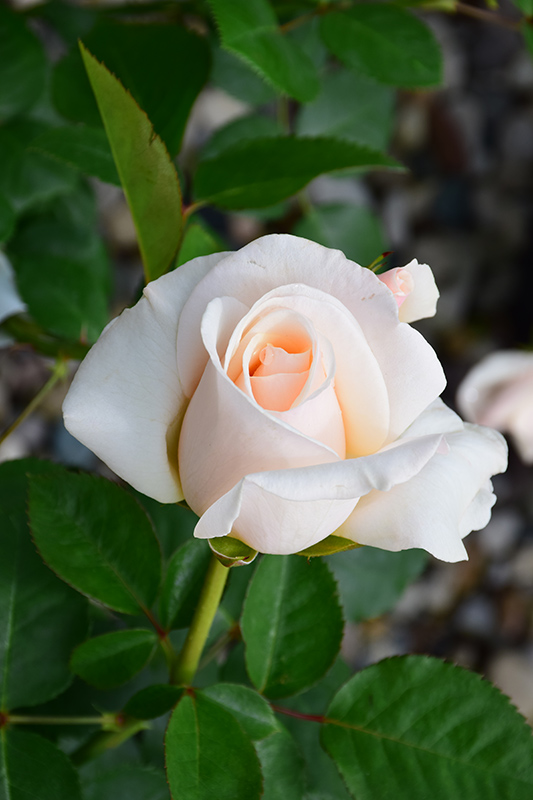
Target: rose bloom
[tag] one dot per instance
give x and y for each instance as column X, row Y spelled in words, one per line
column 278, row 392
column 499, row 392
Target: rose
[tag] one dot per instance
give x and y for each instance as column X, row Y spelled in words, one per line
column 499, row 392
column 277, row 391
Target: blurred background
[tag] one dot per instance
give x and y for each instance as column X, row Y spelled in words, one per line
column 464, row 206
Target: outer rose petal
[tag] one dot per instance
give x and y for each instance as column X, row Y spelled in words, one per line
column 126, row 402
column 412, row 372
column 499, row 392
column 436, row 508
column 286, row 511
column 422, row 301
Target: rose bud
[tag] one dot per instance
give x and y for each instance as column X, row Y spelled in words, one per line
column 414, row 290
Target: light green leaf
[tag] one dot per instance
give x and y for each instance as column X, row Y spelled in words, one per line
column 291, row 624
column 249, row 29
column 96, row 537
column 372, row 580
column 232, row 552
column 250, row 709
column 328, row 546
column 283, row 766
column 386, row 43
column 147, row 174
column 208, row 754
column 183, row 584
column 352, row 107
column 240, row 130
column 450, row 732
column 32, row 767
column 113, row 658
column 22, row 65
column 355, row 230
column 199, row 240
column 525, row 5
column 83, row 148
column 527, row 31
column 261, row 172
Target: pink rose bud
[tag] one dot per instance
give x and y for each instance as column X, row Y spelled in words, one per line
column 414, row 290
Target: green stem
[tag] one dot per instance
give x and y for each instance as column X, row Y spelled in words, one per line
column 16, row 719
column 188, row 660
column 59, row 372
column 107, row 740
column 26, row 331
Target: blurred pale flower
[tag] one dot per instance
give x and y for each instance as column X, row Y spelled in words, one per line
column 499, row 392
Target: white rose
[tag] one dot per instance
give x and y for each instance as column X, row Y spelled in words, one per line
column 499, row 392
column 277, row 391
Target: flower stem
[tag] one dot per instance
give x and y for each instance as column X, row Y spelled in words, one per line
column 188, row 660
column 106, row 740
column 18, row 719
column 59, row 372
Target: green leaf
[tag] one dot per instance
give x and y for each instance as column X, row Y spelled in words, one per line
column 249, row 29
column 283, row 767
column 32, row 767
column 113, row 658
column 183, row 584
column 449, row 731
column 291, row 624
column 352, row 107
column 97, row 538
column 66, row 297
column 208, row 754
column 83, row 148
column 372, row 580
column 7, row 219
column 262, row 172
column 29, row 178
column 237, row 78
column 41, row 619
column 328, row 546
column 527, row 31
column 129, row 782
column 174, row 525
column 147, row 174
column 232, row 552
column 250, row 709
column 386, row 43
column 199, row 240
column 355, row 230
column 164, row 82
column 321, row 774
column 242, row 129
column 22, row 66
column 525, row 5
column 153, row 701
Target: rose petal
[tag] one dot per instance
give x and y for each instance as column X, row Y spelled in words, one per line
column 280, row 259
column 359, row 383
column 439, row 505
column 421, row 302
column 226, row 434
column 126, row 402
column 284, row 511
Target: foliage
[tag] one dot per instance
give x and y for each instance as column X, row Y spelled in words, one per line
column 97, row 585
